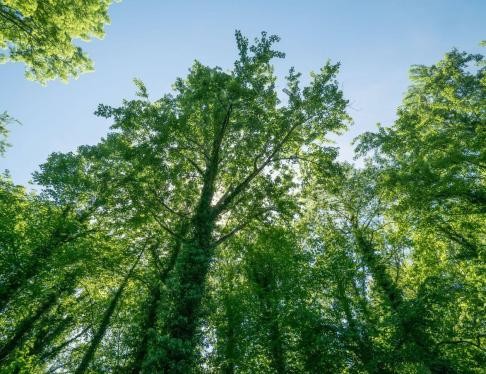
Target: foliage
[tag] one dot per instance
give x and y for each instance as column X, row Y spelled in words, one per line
column 40, row 34
column 5, row 120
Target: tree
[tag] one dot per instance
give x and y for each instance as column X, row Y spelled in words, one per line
column 40, row 34
column 434, row 154
column 221, row 153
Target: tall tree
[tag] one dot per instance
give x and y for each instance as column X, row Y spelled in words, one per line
column 221, row 152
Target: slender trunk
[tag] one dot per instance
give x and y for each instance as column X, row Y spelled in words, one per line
column 105, row 322
column 275, row 337
column 40, row 255
column 46, row 336
column 25, row 326
column 230, row 335
column 47, row 355
column 229, row 363
column 42, row 340
column 391, row 293
column 410, row 326
column 17, row 280
column 276, row 347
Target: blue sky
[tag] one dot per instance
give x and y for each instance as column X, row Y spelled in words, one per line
column 157, row 41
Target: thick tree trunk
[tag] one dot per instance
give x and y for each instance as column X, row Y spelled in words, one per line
column 192, row 267
column 191, row 270
column 150, row 323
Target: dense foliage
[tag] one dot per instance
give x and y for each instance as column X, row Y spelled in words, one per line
column 213, row 230
column 40, row 34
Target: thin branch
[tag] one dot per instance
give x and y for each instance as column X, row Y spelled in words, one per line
column 238, row 228
column 16, row 21
column 164, row 204
column 230, row 234
column 199, row 146
column 56, row 350
column 230, row 195
column 156, row 258
column 193, row 163
column 163, row 226
column 468, row 342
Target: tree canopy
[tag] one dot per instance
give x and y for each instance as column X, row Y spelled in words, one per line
column 214, row 230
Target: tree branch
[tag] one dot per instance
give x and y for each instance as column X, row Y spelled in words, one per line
column 230, row 195
column 163, row 226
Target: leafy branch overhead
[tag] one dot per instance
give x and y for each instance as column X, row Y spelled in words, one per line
column 42, row 34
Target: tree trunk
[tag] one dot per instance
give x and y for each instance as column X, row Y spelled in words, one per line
column 191, row 270
column 359, row 341
column 409, row 326
column 148, row 326
column 40, row 255
column 192, row 267
column 105, row 322
column 263, row 280
column 150, row 321
column 25, row 326
column 230, row 341
column 393, row 295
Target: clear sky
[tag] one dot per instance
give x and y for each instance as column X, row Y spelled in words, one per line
column 157, row 40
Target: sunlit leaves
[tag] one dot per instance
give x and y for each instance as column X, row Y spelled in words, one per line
column 41, row 34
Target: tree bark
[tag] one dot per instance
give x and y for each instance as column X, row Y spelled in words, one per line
column 191, row 269
column 148, row 326
column 151, row 314
column 263, row 280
